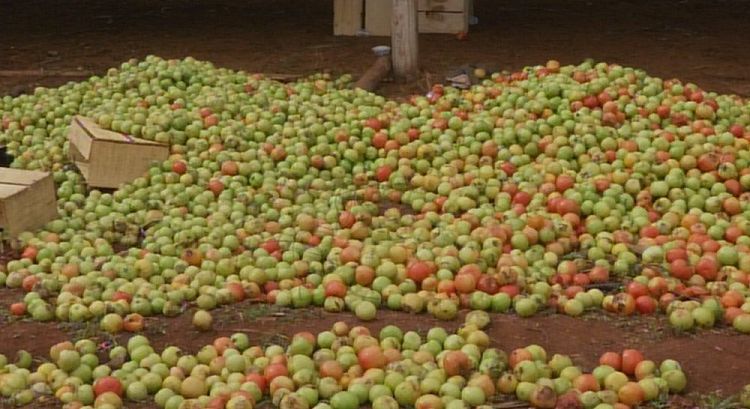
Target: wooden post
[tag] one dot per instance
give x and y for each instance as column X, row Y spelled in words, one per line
column 404, row 40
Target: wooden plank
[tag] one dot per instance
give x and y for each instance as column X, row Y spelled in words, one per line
column 435, row 16
column 347, row 17
column 405, row 40
column 378, row 17
column 283, row 77
column 459, row 6
column 438, row 22
column 48, row 73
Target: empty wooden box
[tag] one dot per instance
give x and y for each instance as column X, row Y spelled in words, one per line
column 27, row 200
column 108, row 159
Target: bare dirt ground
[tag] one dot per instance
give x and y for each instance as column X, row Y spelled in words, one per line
column 714, row 360
column 702, row 41
column 698, row 41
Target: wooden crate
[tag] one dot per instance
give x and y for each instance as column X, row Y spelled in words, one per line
column 435, row 16
column 108, row 159
column 27, row 200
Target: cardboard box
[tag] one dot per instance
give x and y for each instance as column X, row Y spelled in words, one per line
column 108, row 159
column 27, row 200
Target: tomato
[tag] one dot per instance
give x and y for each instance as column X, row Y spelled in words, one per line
column 612, row 359
column 346, row 219
column 383, row 173
column 585, row 383
column 258, row 379
column 465, row 283
column 624, row 303
column 488, row 284
column 645, row 304
column 456, row 363
column 636, row 289
column 630, row 360
column 275, row 370
column 331, row 369
column 18, row 309
column 335, row 289
column 373, row 123
column 371, row 357
column 230, row 168
column 707, row 267
column 631, row 394
column 418, row 271
column 108, row 384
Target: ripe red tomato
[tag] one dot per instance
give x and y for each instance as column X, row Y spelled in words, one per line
column 18, row 309
column 383, row 173
column 612, row 359
column 630, row 360
column 373, row 123
column 275, row 370
column 179, row 167
column 346, row 219
column 379, row 140
column 645, row 304
column 270, row 246
column 707, row 267
column 258, row 379
column 108, row 384
column 418, row 271
column 335, row 289
column 636, row 289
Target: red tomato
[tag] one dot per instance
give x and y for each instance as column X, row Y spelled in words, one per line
column 335, row 289
column 275, row 370
column 612, row 359
column 383, row 173
column 258, row 379
column 645, row 304
column 108, row 384
column 418, row 271
column 636, row 289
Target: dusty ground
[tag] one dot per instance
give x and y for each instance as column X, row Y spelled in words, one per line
column 714, row 360
column 702, row 41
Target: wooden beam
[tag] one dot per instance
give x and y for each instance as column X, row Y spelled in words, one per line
column 45, row 73
column 404, row 40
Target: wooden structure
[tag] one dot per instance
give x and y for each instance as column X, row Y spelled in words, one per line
column 108, row 159
column 373, row 17
column 404, row 40
column 27, row 200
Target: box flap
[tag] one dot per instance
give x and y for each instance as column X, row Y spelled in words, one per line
column 83, row 167
column 7, row 191
column 80, row 140
column 11, row 176
column 94, row 131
